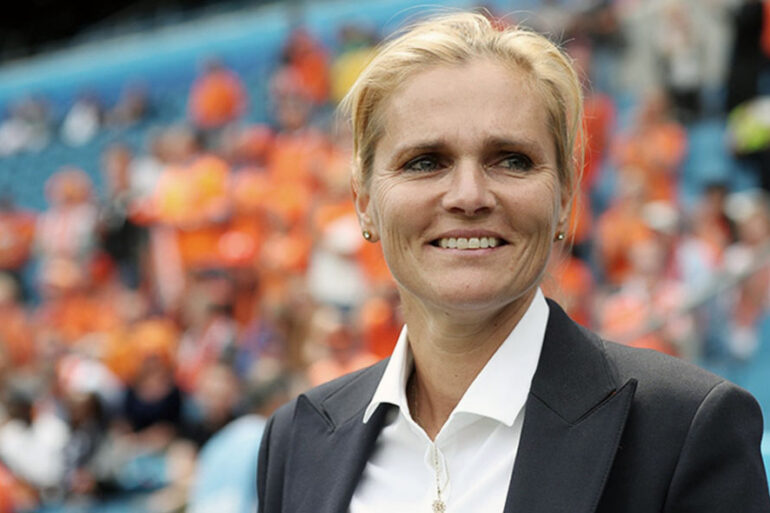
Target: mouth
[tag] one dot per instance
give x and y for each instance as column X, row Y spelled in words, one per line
column 468, row 243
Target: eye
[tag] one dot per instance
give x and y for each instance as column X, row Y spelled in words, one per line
column 516, row 162
column 423, row 163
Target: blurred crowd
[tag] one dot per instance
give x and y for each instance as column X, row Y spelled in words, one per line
column 148, row 328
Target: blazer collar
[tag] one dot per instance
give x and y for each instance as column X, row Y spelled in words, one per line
column 574, row 417
column 572, row 375
column 572, row 425
column 331, row 444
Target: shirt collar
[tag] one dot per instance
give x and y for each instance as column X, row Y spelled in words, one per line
column 501, row 388
column 392, row 387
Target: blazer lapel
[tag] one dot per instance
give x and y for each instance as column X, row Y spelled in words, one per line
column 574, row 417
column 330, row 448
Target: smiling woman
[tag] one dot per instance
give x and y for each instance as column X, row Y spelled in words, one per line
column 493, row 399
column 466, row 155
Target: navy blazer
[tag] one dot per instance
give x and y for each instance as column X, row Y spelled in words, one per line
column 607, row 429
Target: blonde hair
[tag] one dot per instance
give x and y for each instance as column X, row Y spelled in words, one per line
column 456, row 39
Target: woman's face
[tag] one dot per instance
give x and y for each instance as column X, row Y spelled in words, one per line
column 464, row 192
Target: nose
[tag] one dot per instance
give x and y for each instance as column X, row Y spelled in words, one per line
column 469, row 190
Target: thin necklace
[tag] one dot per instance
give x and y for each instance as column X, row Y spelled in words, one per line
column 439, row 506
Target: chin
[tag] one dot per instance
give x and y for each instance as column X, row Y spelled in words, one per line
column 476, row 301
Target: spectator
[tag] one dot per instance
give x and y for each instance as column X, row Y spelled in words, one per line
column 132, row 107
column 67, row 230
column 654, row 148
column 32, row 440
column 17, row 334
column 227, row 464
column 27, row 128
column 749, row 302
column 17, row 234
column 83, row 120
column 121, row 237
column 217, row 97
column 308, row 59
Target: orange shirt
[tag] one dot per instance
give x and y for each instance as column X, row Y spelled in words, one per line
column 655, row 153
column 571, row 284
column 195, row 201
column 216, row 98
column 17, row 232
column 618, row 231
column 380, row 326
column 17, row 335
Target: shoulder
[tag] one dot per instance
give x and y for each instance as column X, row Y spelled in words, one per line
column 699, row 435
column 341, row 397
column 676, row 391
column 328, row 404
column 349, row 392
column 658, row 372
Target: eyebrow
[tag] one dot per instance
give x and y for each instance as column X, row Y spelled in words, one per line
column 437, row 145
column 428, row 146
column 524, row 143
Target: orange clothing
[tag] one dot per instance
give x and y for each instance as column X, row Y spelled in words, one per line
column 380, row 327
column 618, row 230
column 310, row 61
column 625, row 316
column 298, row 158
column 15, row 495
column 571, row 284
column 127, row 346
column 327, row 213
column 216, row 98
column 655, row 153
column 70, row 317
column 17, row 233
column 580, row 221
column 373, row 263
column 199, row 247
column 764, row 38
column 195, row 200
column 17, row 335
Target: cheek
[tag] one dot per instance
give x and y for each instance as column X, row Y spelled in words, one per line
column 388, row 206
column 537, row 217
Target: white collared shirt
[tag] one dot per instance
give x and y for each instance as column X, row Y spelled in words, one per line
column 475, row 449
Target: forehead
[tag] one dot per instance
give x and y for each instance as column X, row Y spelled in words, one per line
column 481, row 99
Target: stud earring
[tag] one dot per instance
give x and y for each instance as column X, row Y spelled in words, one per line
column 560, row 236
column 367, row 235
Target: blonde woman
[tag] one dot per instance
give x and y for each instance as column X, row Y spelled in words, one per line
column 493, row 399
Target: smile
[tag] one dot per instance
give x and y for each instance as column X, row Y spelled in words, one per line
column 469, row 242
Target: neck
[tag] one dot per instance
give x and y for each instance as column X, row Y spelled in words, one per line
column 449, row 350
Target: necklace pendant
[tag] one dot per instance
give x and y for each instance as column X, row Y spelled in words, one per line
column 439, row 506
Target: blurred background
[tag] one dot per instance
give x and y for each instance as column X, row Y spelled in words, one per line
column 179, row 253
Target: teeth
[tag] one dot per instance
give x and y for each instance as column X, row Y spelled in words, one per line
column 469, row 243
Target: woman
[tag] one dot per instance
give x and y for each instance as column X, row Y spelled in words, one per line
column 494, row 400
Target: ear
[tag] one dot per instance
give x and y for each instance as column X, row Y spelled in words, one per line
column 361, row 200
column 566, row 204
